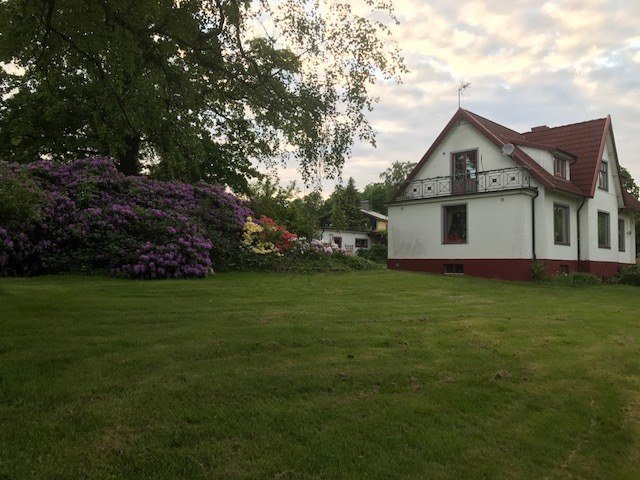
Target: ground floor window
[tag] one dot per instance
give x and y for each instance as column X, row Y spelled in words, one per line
column 338, row 241
column 564, row 269
column 621, row 245
column 454, row 268
column 604, row 230
column 454, row 224
column 362, row 243
column 560, row 224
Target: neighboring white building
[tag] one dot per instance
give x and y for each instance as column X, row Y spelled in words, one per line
column 352, row 241
column 486, row 200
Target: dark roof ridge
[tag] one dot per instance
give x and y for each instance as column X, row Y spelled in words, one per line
column 567, row 125
column 492, row 121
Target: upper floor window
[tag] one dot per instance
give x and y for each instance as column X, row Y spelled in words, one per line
column 454, row 224
column 604, row 230
column 603, row 176
column 560, row 167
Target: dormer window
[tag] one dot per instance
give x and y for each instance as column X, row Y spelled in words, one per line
column 603, row 176
column 560, row 167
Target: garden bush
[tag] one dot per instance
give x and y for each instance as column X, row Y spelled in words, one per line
column 539, row 271
column 85, row 216
column 376, row 253
column 269, row 246
column 578, row 279
column 629, row 276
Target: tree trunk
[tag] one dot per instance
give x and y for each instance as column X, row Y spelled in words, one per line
column 129, row 164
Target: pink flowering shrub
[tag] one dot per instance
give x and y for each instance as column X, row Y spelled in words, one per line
column 89, row 217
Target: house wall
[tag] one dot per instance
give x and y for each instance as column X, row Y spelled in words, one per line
column 544, row 158
column 607, row 201
column 463, row 137
column 498, row 227
column 348, row 238
column 499, row 223
column 546, row 248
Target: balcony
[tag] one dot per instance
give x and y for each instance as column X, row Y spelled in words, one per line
column 515, row 178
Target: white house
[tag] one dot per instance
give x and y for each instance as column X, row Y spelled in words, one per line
column 352, row 240
column 486, row 200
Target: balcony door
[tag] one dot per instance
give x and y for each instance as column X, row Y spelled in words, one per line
column 464, row 172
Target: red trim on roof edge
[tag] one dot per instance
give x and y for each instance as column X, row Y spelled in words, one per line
column 603, row 141
column 519, row 156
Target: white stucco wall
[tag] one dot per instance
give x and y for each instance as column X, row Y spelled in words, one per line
column 629, row 254
column 463, row 137
column 610, row 202
column 545, row 240
column 545, row 159
column 348, row 238
column 498, row 226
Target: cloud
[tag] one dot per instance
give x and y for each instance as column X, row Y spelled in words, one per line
column 528, row 63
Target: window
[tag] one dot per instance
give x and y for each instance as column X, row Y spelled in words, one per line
column 464, row 172
column 362, row 243
column 338, row 241
column 621, row 245
column 564, row 269
column 604, row 240
column 453, row 268
column 561, row 224
column 603, row 176
column 560, row 167
column 455, row 224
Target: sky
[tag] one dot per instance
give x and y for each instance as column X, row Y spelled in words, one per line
column 529, row 63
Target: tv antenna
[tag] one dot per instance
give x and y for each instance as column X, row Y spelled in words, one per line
column 462, row 86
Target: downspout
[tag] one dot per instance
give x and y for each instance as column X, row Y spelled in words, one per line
column 584, row 200
column 533, row 224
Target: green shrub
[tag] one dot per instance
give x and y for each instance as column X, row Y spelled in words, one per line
column 578, row 279
column 376, row 253
column 539, row 271
column 308, row 263
column 629, row 276
column 20, row 198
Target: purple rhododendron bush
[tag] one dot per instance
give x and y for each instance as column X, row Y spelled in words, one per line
column 85, row 217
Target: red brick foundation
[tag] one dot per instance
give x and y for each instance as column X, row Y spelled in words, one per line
column 504, row 268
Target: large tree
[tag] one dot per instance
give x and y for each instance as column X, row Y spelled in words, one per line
column 345, row 208
column 629, row 184
column 396, row 174
column 191, row 89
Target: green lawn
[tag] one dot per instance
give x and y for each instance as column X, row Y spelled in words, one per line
column 378, row 375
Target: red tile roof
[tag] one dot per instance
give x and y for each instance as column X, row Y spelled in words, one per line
column 583, row 141
column 506, row 135
column 631, row 202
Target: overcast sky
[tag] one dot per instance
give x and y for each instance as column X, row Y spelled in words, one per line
column 529, row 63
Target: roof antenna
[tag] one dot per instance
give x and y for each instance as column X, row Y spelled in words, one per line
column 460, row 89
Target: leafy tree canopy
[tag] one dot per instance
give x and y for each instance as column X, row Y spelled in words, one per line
column 397, row 173
column 380, row 193
column 301, row 215
column 629, row 183
column 192, row 89
column 345, row 208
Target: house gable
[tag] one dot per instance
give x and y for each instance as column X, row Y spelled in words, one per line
column 581, row 144
column 499, row 136
column 462, row 136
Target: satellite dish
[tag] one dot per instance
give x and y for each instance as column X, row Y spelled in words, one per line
column 508, row 148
